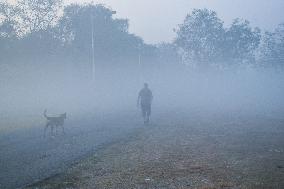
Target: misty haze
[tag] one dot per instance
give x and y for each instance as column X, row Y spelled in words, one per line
column 87, row 103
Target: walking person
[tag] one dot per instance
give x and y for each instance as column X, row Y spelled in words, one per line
column 145, row 98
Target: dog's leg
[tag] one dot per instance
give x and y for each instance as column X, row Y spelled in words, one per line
column 52, row 130
column 45, row 128
column 56, row 126
column 63, row 131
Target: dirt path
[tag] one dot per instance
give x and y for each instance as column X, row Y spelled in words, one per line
column 213, row 151
column 27, row 157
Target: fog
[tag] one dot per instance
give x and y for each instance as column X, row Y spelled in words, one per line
column 213, row 116
column 30, row 90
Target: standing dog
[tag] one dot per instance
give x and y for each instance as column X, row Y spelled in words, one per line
column 54, row 122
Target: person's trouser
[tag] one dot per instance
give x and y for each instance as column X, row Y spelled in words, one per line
column 146, row 110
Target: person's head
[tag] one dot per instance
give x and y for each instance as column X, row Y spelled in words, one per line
column 146, row 85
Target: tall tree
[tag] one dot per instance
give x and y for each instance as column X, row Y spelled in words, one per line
column 36, row 15
column 8, row 32
column 111, row 37
column 241, row 42
column 205, row 42
column 272, row 49
column 7, row 20
column 27, row 30
column 27, row 16
column 200, row 37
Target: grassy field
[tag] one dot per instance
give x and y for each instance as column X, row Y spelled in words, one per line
column 203, row 152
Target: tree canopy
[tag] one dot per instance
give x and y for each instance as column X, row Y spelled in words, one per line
column 205, row 41
column 44, row 32
column 272, row 49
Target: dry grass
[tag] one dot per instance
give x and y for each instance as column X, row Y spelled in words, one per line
column 177, row 157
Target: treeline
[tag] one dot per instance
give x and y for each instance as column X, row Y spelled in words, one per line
column 38, row 32
column 205, row 42
column 42, row 32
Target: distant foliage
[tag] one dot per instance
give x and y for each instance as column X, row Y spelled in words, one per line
column 271, row 51
column 44, row 32
column 201, row 38
column 40, row 31
column 37, row 15
column 111, row 36
column 205, row 42
column 29, row 16
column 241, row 42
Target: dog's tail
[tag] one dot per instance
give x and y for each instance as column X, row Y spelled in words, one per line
column 44, row 114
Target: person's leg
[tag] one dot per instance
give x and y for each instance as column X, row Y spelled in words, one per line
column 148, row 114
column 147, row 118
column 144, row 113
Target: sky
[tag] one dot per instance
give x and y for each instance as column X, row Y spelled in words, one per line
column 154, row 20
